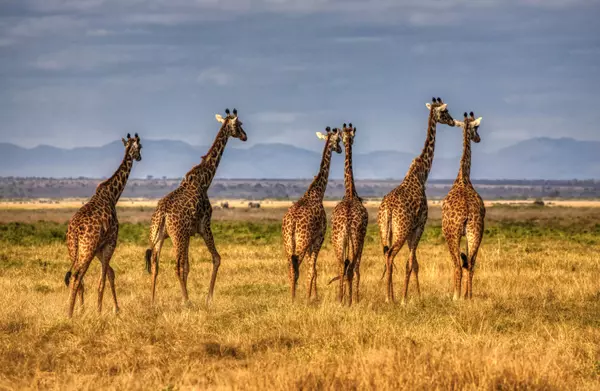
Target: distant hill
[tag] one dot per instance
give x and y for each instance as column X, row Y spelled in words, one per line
column 539, row 158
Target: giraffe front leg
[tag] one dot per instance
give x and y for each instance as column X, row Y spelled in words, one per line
column 207, row 235
column 101, row 283
column 111, row 281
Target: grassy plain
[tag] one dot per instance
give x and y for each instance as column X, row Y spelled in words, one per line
column 534, row 322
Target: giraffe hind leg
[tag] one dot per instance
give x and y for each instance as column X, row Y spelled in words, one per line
column 474, row 236
column 396, row 247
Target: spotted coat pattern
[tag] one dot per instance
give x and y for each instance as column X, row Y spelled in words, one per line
column 349, row 226
column 187, row 211
column 94, row 228
column 305, row 222
column 403, row 212
column 463, row 214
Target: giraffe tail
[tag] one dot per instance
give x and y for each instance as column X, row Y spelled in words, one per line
column 148, row 259
column 465, row 262
column 345, row 242
column 68, row 278
column 296, row 266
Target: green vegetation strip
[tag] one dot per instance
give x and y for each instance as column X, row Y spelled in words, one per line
column 257, row 233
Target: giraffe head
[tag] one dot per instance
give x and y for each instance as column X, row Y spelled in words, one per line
column 133, row 146
column 348, row 133
column 440, row 112
column 232, row 125
column 470, row 125
column 332, row 138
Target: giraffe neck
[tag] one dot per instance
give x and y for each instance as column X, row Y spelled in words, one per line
column 113, row 187
column 348, row 173
column 422, row 165
column 464, row 174
column 317, row 188
column 201, row 176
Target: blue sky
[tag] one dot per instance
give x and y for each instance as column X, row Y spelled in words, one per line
column 85, row 72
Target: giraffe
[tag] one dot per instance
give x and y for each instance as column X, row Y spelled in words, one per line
column 403, row 212
column 187, row 211
column 305, row 222
column 463, row 212
column 349, row 225
column 94, row 229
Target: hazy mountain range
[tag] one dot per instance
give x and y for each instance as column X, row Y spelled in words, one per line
column 538, row 158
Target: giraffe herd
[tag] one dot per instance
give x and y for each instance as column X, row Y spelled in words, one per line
column 402, row 215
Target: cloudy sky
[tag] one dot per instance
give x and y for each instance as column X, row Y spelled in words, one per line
column 85, row 72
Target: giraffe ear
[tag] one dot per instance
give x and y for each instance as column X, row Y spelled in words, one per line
column 428, row 106
column 124, row 141
column 443, row 107
column 477, row 121
column 219, row 118
column 458, row 123
column 321, row 136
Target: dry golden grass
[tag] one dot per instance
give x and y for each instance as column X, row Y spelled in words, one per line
column 534, row 322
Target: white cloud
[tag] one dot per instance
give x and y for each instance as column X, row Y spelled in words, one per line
column 43, row 26
column 99, row 33
column 216, row 76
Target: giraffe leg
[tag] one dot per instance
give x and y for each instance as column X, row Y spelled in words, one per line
column 105, row 255
column 453, row 235
column 343, row 267
column 75, row 285
column 294, row 262
column 155, row 255
column 350, row 277
column 474, row 235
column 312, row 271
column 111, row 281
column 412, row 265
column 80, row 293
column 182, row 245
column 357, row 272
column 357, row 275
column 101, row 283
column 391, row 254
column 207, row 235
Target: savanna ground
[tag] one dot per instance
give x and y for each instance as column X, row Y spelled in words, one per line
column 533, row 323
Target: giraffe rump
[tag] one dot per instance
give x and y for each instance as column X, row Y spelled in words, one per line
column 67, row 278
